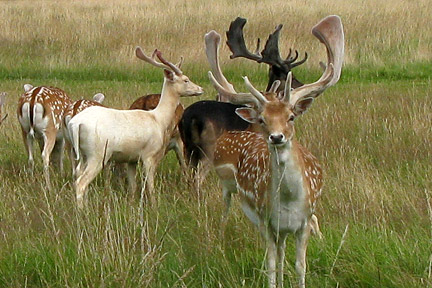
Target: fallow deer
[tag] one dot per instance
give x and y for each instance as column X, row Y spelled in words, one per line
column 279, row 180
column 40, row 113
column 150, row 102
column 72, row 110
column 279, row 68
column 204, row 121
column 101, row 134
column 2, row 101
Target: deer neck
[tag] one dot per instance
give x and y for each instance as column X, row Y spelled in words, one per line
column 165, row 110
column 287, row 178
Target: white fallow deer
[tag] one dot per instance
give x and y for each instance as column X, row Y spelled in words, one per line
column 73, row 109
column 101, row 134
column 278, row 179
column 2, row 101
column 40, row 113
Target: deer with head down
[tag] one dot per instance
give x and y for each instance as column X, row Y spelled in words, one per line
column 2, row 101
column 278, row 179
column 72, row 110
column 40, row 113
column 101, row 134
column 204, row 121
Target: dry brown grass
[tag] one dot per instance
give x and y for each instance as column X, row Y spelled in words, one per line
column 74, row 33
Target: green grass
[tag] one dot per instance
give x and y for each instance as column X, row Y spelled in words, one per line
column 371, row 136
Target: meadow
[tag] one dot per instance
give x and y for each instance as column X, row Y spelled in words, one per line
column 372, row 133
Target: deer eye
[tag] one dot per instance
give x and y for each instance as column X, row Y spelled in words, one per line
column 291, row 118
column 186, row 81
column 261, row 121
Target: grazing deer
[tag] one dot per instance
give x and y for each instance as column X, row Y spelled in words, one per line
column 72, row 110
column 101, row 134
column 40, row 113
column 278, row 179
column 2, row 101
column 204, row 121
column 150, row 102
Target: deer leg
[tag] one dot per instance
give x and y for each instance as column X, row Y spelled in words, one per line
column 281, row 244
column 48, row 146
column 131, row 176
column 28, row 139
column 57, row 154
column 150, row 166
column 178, row 149
column 271, row 252
column 302, row 238
column 90, row 172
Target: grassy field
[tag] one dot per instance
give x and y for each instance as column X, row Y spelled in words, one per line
column 372, row 132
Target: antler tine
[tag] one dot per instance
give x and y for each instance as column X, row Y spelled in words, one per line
column 270, row 54
column 235, row 98
column 330, row 32
column 292, row 65
column 290, row 59
column 275, row 86
column 171, row 66
column 140, row 54
column 287, row 90
column 212, row 40
column 236, row 42
column 257, row 94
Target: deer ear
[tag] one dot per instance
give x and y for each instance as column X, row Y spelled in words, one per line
column 247, row 114
column 169, row 74
column 99, row 97
column 302, row 105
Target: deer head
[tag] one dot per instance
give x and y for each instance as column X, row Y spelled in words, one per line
column 172, row 73
column 270, row 55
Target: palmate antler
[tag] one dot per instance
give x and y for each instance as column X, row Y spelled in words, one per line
column 270, row 55
column 329, row 31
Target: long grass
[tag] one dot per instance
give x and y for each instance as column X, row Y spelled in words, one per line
column 371, row 132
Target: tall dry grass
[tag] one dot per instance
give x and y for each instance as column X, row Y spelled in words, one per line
column 102, row 32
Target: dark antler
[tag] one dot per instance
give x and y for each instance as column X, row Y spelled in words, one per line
column 236, row 43
column 270, row 55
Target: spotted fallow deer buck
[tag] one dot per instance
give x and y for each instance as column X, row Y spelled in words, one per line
column 40, row 113
column 278, row 179
column 72, row 110
column 2, row 101
column 101, row 134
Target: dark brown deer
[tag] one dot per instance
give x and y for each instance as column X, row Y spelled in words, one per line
column 279, row 68
column 204, row 121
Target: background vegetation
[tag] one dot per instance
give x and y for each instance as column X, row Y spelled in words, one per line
column 372, row 132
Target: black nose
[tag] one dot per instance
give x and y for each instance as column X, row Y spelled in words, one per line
column 276, row 138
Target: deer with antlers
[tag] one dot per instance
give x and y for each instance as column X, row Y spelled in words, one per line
column 2, row 101
column 204, row 121
column 40, row 113
column 150, row 102
column 278, row 179
column 101, row 134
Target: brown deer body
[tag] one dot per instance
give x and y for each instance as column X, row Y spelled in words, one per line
column 278, row 179
column 40, row 113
